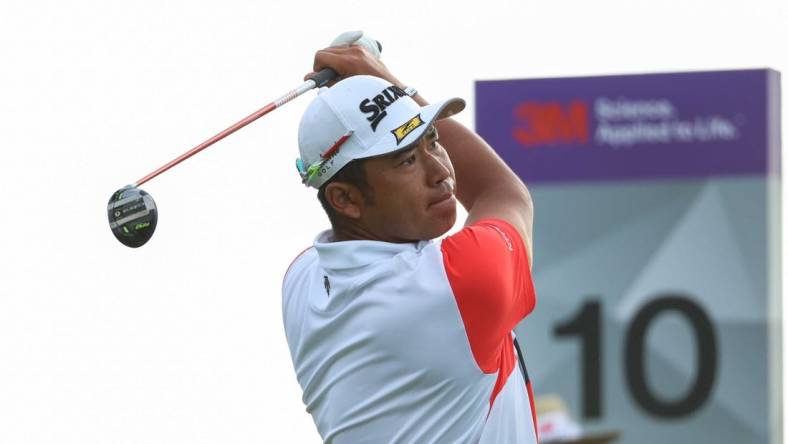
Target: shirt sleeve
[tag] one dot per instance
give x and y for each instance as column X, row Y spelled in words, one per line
column 488, row 271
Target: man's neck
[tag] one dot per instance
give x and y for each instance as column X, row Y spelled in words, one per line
column 342, row 233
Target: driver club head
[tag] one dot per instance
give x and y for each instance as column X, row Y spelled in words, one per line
column 132, row 216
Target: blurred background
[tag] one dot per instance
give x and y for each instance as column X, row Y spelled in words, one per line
column 181, row 341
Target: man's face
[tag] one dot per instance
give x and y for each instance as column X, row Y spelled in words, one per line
column 413, row 192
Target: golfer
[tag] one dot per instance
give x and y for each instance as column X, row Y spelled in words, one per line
column 397, row 335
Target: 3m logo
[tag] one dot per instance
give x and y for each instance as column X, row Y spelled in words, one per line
column 551, row 123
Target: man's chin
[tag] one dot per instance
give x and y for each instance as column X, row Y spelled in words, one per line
column 442, row 225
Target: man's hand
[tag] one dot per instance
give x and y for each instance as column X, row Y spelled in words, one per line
column 349, row 61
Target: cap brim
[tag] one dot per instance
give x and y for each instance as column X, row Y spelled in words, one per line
column 428, row 114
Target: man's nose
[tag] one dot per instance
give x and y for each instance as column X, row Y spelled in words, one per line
column 438, row 170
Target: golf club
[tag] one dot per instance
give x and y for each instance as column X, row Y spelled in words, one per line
column 132, row 212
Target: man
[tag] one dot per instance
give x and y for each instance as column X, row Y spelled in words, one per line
column 395, row 337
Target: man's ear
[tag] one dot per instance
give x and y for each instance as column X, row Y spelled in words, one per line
column 346, row 199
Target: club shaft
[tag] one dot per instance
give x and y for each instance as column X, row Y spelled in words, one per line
column 304, row 87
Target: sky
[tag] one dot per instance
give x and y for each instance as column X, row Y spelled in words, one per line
column 181, row 341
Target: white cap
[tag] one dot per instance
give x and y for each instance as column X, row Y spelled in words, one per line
column 360, row 117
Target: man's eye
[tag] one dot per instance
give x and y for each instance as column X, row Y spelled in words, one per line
column 434, row 144
column 409, row 161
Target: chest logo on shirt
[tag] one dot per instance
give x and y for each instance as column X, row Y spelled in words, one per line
column 327, row 285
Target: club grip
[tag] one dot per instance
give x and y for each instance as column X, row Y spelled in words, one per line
column 324, row 76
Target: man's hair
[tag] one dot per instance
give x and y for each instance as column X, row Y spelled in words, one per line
column 352, row 173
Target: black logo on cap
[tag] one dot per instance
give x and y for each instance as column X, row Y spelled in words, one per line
column 376, row 106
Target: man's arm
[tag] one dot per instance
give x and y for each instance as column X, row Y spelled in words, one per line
column 486, row 186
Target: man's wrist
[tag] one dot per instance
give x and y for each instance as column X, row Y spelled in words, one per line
column 413, row 93
column 416, row 96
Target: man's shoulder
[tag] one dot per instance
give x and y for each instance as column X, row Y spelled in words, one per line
column 483, row 236
column 293, row 278
column 307, row 256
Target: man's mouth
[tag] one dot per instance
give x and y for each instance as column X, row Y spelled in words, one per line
column 442, row 198
column 448, row 194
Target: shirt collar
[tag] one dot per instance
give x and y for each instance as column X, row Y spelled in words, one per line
column 358, row 253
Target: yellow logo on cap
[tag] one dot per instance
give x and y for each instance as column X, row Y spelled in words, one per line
column 407, row 128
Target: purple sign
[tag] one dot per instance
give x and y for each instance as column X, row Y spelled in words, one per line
column 693, row 125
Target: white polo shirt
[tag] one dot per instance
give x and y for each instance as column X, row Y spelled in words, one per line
column 413, row 343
